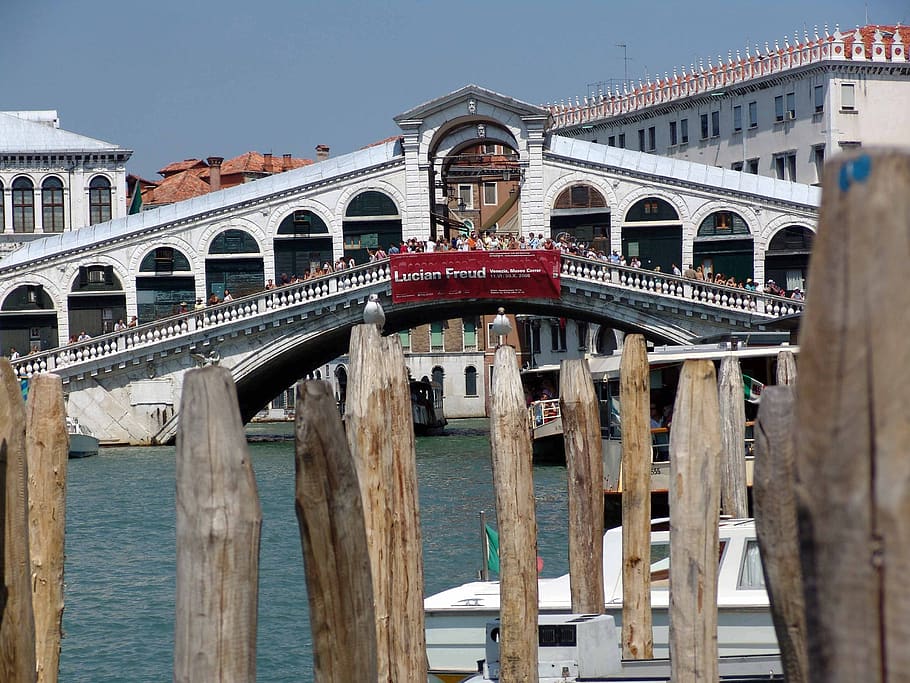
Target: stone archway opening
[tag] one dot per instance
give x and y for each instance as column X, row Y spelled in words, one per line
column 28, row 321
column 96, row 301
column 724, row 246
column 234, row 264
column 372, row 220
column 302, row 244
column 787, row 257
column 581, row 213
column 165, row 281
column 478, row 189
column 652, row 233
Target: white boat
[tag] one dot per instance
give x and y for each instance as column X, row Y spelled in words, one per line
column 82, row 442
column 456, row 618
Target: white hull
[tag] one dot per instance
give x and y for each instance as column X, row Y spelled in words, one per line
column 456, row 619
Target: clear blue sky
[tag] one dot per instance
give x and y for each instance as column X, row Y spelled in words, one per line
column 176, row 79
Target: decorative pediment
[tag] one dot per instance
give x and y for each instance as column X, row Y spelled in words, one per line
column 465, row 101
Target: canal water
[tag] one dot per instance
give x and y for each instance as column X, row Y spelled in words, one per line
column 120, row 550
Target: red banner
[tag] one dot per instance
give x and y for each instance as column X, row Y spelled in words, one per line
column 475, row 275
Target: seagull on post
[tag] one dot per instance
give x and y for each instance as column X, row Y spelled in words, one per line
column 373, row 313
column 501, row 325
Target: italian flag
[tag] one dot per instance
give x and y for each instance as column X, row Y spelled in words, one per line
column 492, row 548
column 752, row 389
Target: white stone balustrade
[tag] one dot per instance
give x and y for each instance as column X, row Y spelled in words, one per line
column 261, row 304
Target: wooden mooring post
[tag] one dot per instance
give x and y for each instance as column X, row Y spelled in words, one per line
column 380, row 435
column 334, row 540
column 510, row 443
column 786, row 367
column 634, row 393
column 218, row 529
column 733, row 496
column 852, row 467
column 584, row 475
column 695, row 452
column 47, row 450
column 773, row 483
column 17, row 621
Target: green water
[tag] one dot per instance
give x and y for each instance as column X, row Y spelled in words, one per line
column 120, row 550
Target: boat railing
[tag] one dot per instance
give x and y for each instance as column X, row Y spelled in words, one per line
column 543, row 412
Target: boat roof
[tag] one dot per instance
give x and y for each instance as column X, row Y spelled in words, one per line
column 608, row 366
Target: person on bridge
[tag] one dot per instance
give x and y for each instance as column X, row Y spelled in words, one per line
column 83, row 336
column 214, row 300
column 133, row 322
column 13, row 354
column 227, row 295
column 119, row 326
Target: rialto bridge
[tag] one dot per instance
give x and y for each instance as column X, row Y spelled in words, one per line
column 471, row 160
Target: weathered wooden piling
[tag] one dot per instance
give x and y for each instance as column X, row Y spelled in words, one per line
column 786, row 367
column 695, row 452
column 17, row 622
column 510, row 443
column 634, row 393
column 218, row 530
column 380, row 434
column 333, row 536
column 733, row 497
column 47, row 450
column 584, row 474
column 773, row 482
column 852, row 467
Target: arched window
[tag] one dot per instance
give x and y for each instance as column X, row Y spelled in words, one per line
column 470, row 381
column 234, row 242
column 164, row 260
column 723, row 223
column 652, row 209
column 99, row 200
column 52, row 215
column 371, row 203
column 438, row 377
column 580, row 197
column 23, row 205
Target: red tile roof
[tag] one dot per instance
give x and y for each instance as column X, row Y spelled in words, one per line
column 179, row 166
column 868, row 36
column 254, row 162
column 176, row 188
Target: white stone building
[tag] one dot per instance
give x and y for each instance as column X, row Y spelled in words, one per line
column 777, row 112
column 52, row 180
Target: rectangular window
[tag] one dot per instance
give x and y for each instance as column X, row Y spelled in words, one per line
column 652, row 139
column 779, row 108
column 641, row 139
column 818, row 158
column 673, row 139
column 737, row 166
column 582, row 332
column 791, row 106
column 466, row 196
column 436, row 342
column 819, row 94
column 469, row 328
column 405, row 337
column 489, row 149
column 753, row 114
column 737, row 118
column 622, row 140
column 684, row 131
column 847, row 97
column 715, row 124
column 558, row 334
column 780, row 167
column 752, row 166
column 704, row 126
column 791, row 168
column 611, row 141
column 489, row 194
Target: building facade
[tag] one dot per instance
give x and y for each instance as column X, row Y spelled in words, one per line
column 52, row 180
column 778, row 112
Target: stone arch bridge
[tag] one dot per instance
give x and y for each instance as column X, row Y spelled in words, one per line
column 126, row 386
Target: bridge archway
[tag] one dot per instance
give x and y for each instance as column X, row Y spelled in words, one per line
column 234, row 263
column 165, row 280
column 724, row 245
column 371, row 219
column 302, row 243
column 582, row 212
column 787, row 256
column 28, row 320
column 96, row 301
column 652, row 232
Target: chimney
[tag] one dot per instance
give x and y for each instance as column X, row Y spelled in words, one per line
column 215, row 172
column 267, row 162
column 285, row 162
column 322, row 152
